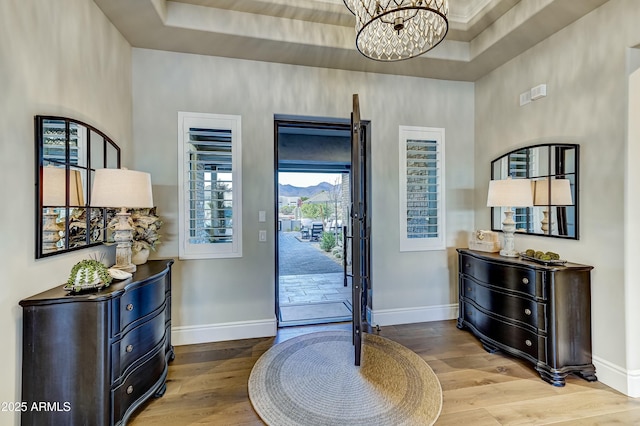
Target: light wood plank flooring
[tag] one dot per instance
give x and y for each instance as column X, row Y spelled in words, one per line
column 207, row 384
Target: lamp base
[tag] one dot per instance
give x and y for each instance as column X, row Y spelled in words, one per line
column 123, row 233
column 126, row 268
column 508, row 228
column 50, row 231
column 506, row 253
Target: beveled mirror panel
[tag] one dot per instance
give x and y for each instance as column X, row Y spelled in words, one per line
column 554, row 170
column 68, row 152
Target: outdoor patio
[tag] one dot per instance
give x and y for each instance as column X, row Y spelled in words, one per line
column 311, row 283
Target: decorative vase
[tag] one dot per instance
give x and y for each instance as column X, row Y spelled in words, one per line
column 140, row 257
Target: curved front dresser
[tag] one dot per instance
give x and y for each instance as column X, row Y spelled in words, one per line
column 532, row 311
column 93, row 358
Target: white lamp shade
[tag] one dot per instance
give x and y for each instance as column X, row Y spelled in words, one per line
column 54, row 187
column 510, row 193
column 560, row 193
column 121, row 188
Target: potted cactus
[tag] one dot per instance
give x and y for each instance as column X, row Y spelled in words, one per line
column 88, row 274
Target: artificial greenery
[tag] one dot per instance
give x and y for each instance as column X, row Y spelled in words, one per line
column 145, row 223
column 85, row 272
column 542, row 255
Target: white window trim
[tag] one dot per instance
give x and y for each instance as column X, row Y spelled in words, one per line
column 421, row 133
column 187, row 120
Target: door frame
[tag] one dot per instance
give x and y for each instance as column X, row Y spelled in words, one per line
column 281, row 120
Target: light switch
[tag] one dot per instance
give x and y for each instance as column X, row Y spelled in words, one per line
column 262, row 216
column 262, row 235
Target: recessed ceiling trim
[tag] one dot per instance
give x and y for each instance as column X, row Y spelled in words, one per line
column 464, row 12
column 320, row 33
column 260, row 27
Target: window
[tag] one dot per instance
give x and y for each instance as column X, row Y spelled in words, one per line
column 421, row 188
column 209, row 164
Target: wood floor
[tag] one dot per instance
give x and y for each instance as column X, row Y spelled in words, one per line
column 207, row 384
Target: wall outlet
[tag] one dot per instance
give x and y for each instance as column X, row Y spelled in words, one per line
column 262, row 235
column 525, row 97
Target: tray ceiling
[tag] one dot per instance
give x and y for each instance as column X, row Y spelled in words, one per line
column 483, row 34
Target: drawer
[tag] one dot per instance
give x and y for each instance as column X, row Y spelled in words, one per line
column 509, row 277
column 138, row 382
column 141, row 301
column 515, row 338
column 136, row 343
column 522, row 309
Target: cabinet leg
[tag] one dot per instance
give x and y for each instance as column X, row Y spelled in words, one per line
column 589, row 374
column 489, row 347
column 556, row 379
column 161, row 390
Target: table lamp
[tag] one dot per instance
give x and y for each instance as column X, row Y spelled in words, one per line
column 54, row 190
column 122, row 188
column 509, row 193
column 560, row 196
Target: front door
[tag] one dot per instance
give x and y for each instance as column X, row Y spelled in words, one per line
column 360, row 227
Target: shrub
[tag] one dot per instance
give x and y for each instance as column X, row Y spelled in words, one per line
column 327, row 241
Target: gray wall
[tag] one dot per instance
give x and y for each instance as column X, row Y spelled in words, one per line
column 56, row 58
column 210, row 293
column 585, row 69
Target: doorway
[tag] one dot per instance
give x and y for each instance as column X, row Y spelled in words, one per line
column 312, row 169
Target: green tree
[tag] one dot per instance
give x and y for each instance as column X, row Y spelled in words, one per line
column 286, row 210
column 311, row 211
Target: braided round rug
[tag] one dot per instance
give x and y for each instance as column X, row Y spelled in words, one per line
column 312, row 380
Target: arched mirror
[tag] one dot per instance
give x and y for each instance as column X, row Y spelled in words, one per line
column 68, row 152
column 554, row 170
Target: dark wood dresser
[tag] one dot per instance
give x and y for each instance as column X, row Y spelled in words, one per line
column 529, row 310
column 92, row 358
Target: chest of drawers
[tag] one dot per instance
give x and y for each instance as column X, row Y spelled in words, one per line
column 536, row 312
column 93, row 358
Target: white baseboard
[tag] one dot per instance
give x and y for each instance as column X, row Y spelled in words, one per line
column 384, row 317
column 634, row 383
column 618, row 378
column 189, row 335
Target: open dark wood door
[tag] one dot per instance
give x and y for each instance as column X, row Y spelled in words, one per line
column 360, row 228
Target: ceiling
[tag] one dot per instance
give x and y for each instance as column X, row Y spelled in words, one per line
column 483, row 34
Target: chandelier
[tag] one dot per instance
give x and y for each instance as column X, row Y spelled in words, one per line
column 393, row 30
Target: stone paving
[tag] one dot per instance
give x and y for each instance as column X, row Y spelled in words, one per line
column 307, row 275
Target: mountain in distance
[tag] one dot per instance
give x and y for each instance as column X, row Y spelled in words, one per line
column 307, row 191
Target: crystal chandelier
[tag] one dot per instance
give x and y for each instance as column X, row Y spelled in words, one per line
column 393, row 30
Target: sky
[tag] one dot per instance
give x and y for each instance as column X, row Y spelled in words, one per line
column 307, row 179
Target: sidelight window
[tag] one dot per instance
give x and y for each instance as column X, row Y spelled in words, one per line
column 210, row 189
column 421, row 188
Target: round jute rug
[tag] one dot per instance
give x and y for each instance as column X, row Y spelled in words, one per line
column 312, row 380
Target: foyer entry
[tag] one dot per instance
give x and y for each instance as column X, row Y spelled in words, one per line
column 312, row 191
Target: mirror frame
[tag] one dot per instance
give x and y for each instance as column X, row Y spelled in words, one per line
column 110, row 157
column 551, row 173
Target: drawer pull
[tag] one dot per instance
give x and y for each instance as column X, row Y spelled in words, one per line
column 528, row 342
column 468, row 288
column 129, row 390
column 129, row 348
column 467, row 265
column 525, row 280
column 130, row 307
column 527, row 311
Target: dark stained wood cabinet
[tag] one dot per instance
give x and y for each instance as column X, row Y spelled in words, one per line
column 536, row 312
column 92, row 358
